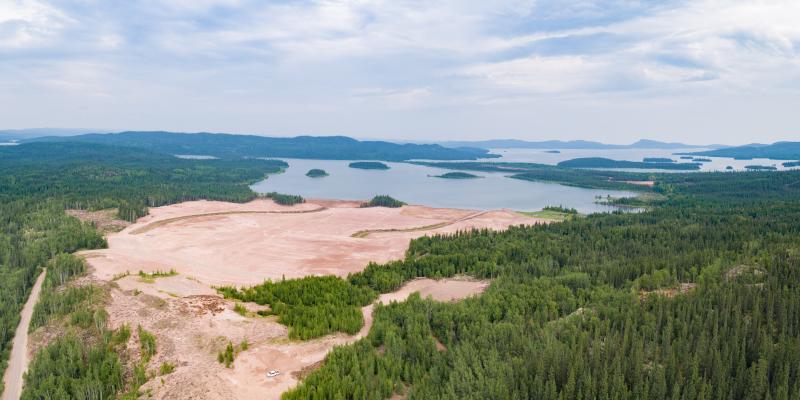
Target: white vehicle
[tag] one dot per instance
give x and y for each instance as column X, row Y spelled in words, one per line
column 273, row 373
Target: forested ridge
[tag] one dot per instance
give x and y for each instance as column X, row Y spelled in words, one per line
column 775, row 151
column 599, row 162
column 696, row 299
column 38, row 182
column 243, row 146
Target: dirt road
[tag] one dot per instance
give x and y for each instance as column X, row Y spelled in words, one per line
column 18, row 362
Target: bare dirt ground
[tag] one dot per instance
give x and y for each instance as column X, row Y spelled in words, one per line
column 244, row 244
column 214, row 243
column 106, row 221
column 682, row 288
column 642, row 183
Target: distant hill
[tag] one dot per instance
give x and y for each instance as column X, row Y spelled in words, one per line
column 775, row 151
column 573, row 144
column 7, row 135
column 238, row 146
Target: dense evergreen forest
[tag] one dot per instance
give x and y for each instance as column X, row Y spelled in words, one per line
column 316, row 173
column 697, row 299
column 383, row 200
column 600, row 162
column 368, row 165
column 285, row 199
column 775, row 151
column 312, row 306
column 40, row 180
column 243, row 146
column 456, row 175
column 84, row 361
column 658, row 159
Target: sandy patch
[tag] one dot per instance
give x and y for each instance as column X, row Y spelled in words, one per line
column 642, row 183
column 215, row 243
column 442, row 290
column 243, row 244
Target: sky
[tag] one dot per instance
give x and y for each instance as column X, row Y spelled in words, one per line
column 699, row 71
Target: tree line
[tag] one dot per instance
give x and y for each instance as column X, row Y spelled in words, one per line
column 697, row 299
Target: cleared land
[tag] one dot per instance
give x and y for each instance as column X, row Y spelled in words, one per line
column 216, row 243
column 243, row 244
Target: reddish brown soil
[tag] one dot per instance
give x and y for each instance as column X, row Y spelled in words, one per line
column 214, row 243
column 244, row 244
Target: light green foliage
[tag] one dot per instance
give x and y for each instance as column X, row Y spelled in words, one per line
column 150, row 277
column 147, row 343
column 311, row 306
column 166, row 368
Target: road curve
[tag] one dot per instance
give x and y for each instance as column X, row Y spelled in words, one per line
column 18, row 362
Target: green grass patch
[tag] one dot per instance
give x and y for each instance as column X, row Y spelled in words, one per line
column 312, row 306
column 150, row 277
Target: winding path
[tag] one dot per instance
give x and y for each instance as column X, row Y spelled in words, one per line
column 18, row 362
column 160, row 223
column 365, row 233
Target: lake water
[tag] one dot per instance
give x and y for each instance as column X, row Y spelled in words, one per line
column 412, row 184
column 542, row 157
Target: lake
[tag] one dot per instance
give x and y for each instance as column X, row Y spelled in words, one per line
column 412, row 184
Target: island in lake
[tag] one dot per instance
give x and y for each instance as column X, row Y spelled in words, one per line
column 702, row 160
column 316, row 173
column 553, row 151
column 456, row 175
column 600, row 162
column 760, row 168
column 657, row 159
column 368, row 165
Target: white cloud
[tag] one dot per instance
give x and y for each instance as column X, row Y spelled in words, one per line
column 25, row 23
column 449, row 57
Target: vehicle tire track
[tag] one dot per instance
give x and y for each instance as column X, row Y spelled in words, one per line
column 157, row 224
column 367, row 232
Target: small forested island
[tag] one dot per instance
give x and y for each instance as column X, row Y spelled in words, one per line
column 383, row 201
column 553, row 151
column 600, row 162
column 657, row 159
column 760, row 168
column 456, row 175
column 368, row 165
column 790, row 164
column 316, row 173
column 285, row 199
column 728, row 167
column 702, row 160
column 686, row 157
